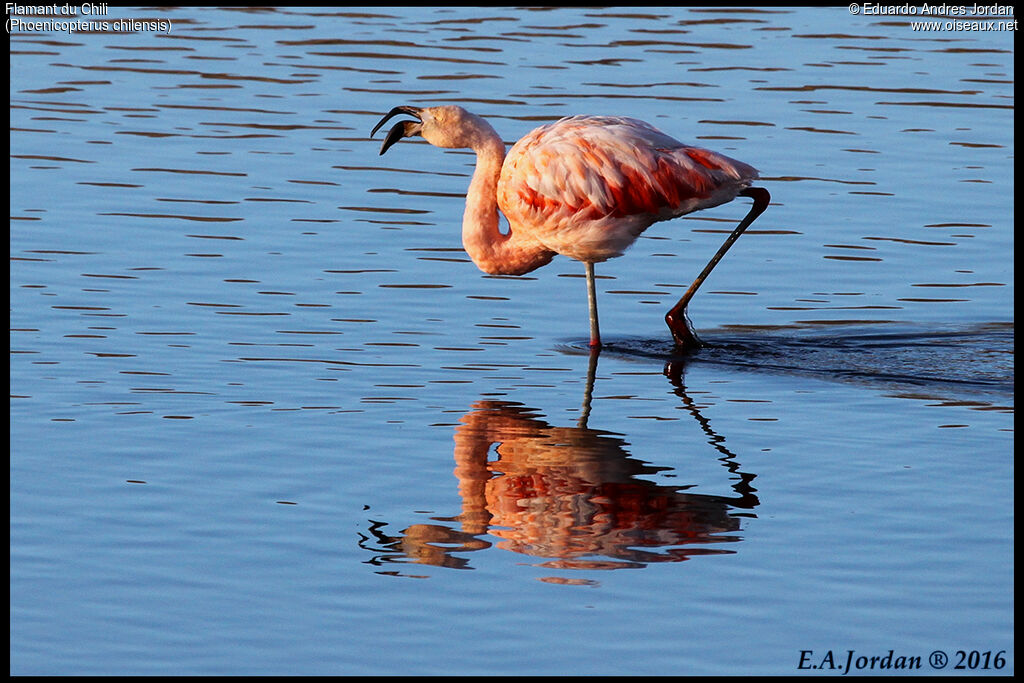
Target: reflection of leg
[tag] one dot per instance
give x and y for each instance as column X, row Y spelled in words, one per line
column 588, row 391
column 747, row 498
column 682, row 332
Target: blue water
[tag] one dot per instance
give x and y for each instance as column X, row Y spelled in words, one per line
column 268, row 418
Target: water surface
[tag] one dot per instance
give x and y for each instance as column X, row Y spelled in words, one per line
column 268, row 417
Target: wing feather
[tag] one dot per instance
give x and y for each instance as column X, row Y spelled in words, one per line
column 587, row 186
column 591, row 167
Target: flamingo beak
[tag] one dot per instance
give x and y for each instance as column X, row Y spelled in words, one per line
column 400, row 130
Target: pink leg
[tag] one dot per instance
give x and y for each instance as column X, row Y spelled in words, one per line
column 595, row 332
column 682, row 332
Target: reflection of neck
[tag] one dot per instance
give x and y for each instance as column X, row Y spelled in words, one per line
column 514, row 253
column 471, row 448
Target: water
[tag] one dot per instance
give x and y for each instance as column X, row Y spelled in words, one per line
column 268, row 418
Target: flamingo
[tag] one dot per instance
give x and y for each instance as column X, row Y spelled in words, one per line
column 584, row 187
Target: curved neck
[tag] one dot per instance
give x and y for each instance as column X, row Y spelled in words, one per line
column 491, row 250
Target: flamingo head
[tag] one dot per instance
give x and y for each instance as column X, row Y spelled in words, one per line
column 448, row 126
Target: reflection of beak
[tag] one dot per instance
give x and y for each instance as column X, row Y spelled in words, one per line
column 401, row 130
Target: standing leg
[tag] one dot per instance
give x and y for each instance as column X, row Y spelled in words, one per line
column 595, row 332
column 683, row 335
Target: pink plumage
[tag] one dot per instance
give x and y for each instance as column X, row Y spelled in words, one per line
column 587, row 186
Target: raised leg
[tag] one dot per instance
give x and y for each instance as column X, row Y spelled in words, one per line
column 595, row 332
column 683, row 334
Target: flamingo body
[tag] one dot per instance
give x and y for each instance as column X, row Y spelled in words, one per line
column 584, row 186
column 587, row 186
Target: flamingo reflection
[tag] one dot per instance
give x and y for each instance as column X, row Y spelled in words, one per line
column 572, row 495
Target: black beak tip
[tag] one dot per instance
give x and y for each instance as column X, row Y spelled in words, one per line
column 400, row 130
column 403, row 109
